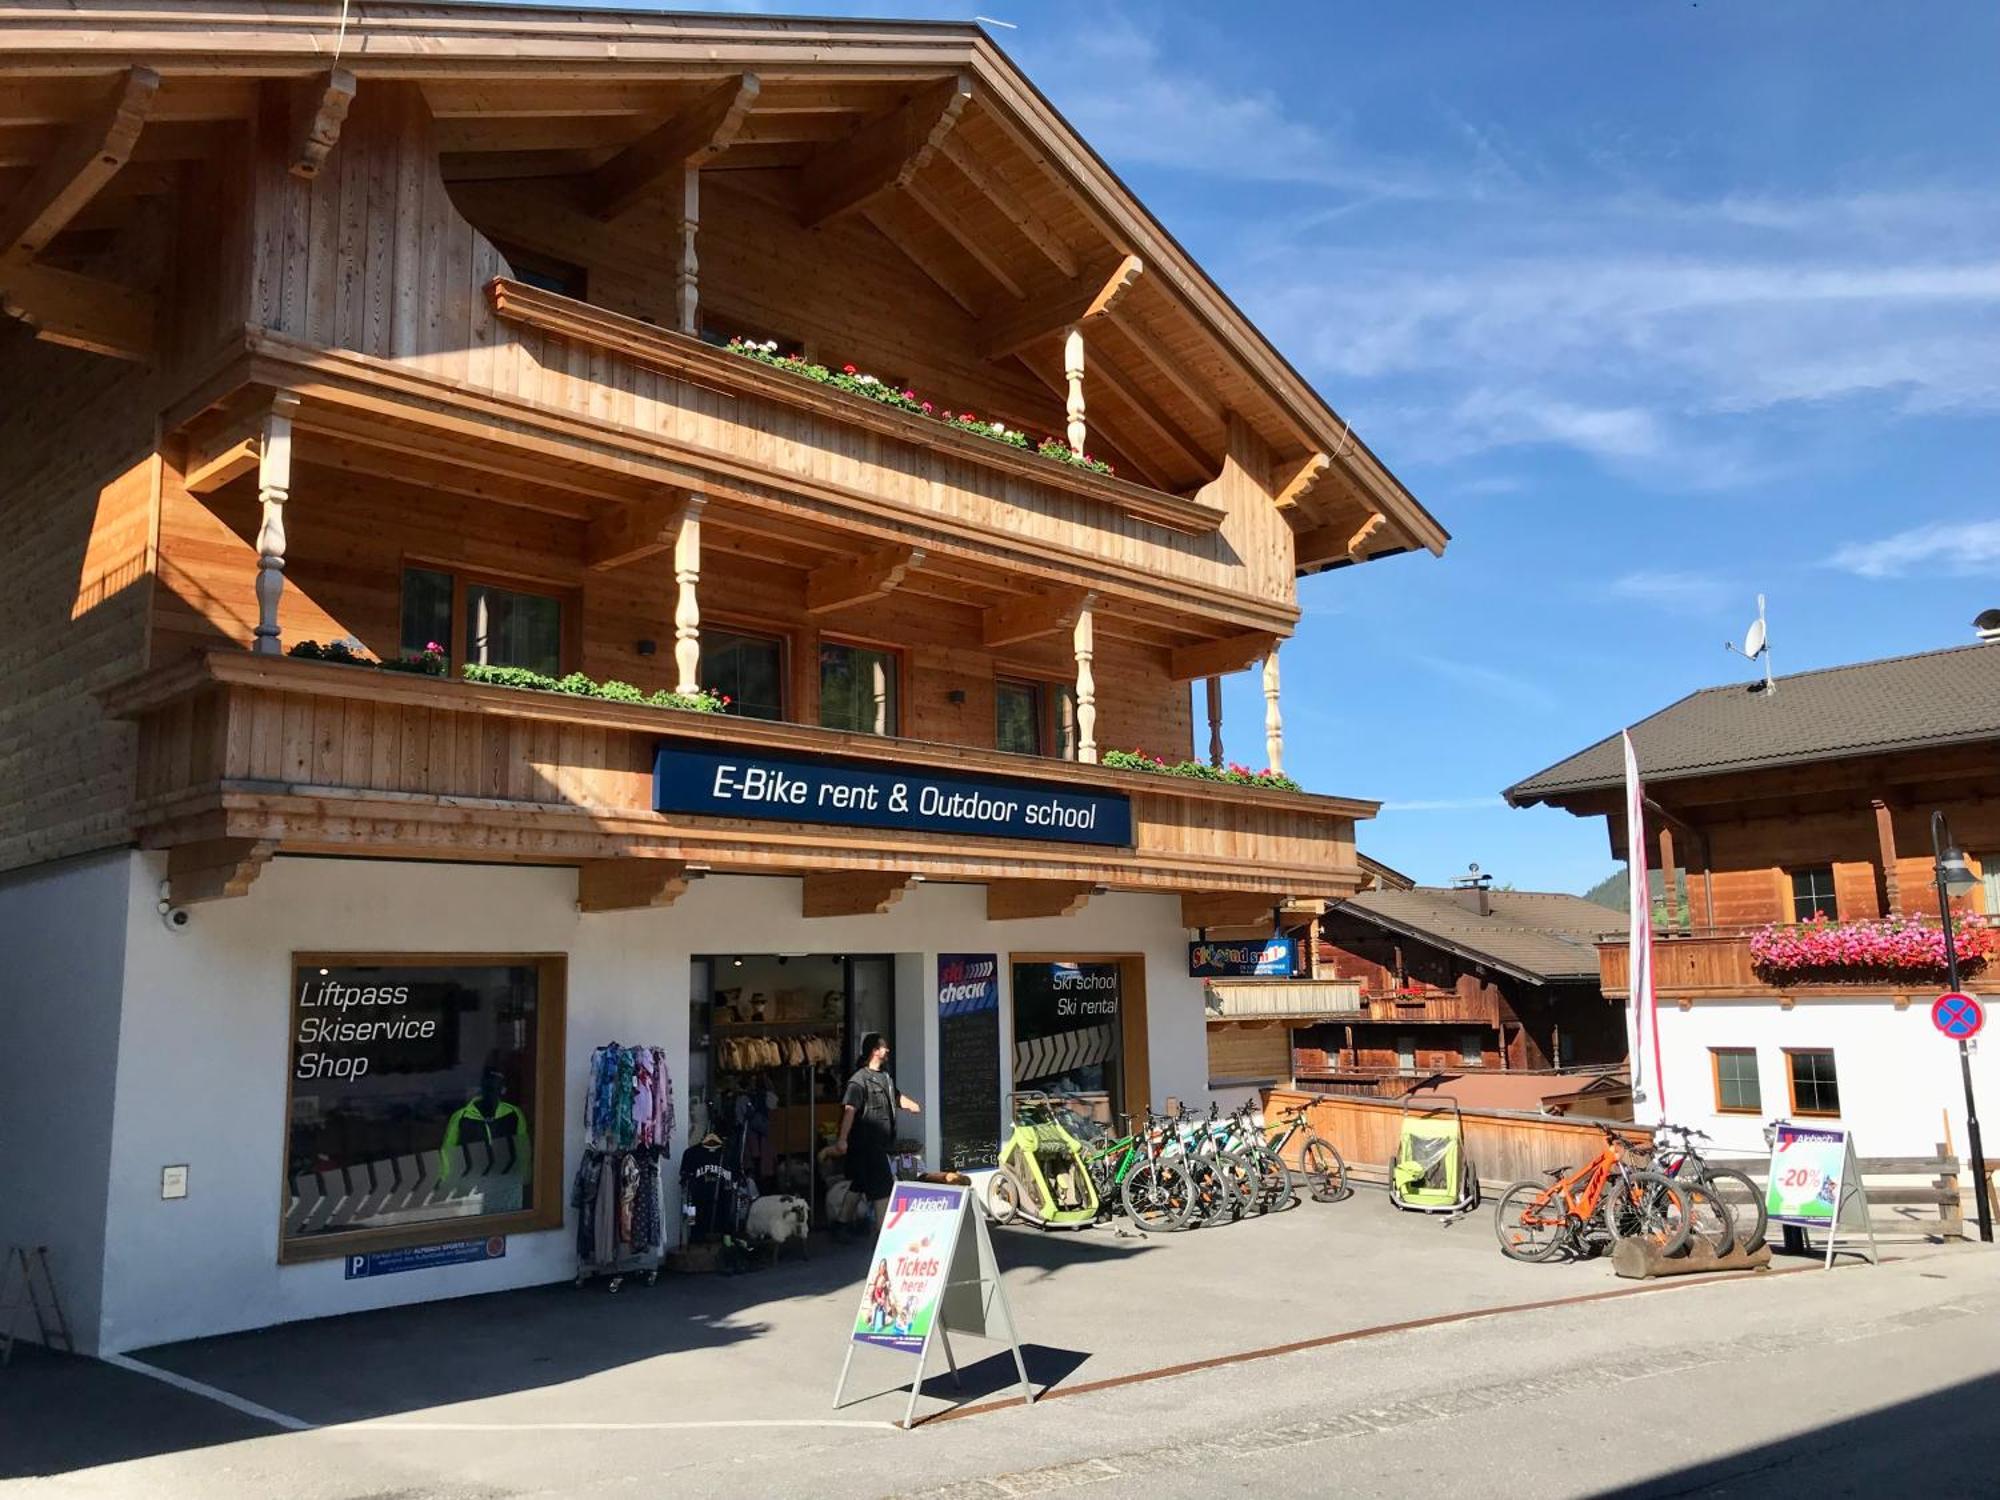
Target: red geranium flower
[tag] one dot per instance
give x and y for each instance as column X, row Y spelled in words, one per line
column 849, row 370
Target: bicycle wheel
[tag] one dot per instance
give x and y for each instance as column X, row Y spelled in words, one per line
column 1745, row 1204
column 1157, row 1197
column 1240, row 1184
column 1708, row 1217
column 1274, row 1182
column 1644, row 1206
column 1326, row 1173
column 1529, row 1224
column 1003, row 1197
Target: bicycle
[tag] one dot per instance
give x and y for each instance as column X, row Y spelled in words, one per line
column 1135, row 1170
column 1684, row 1159
column 1222, row 1182
column 1609, row 1198
column 1319, row 1163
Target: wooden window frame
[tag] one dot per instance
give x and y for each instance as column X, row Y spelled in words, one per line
column 1792, row 873
column 899, row 659
column 1049, row 691
column 1715, row 1077
column 1043, row 739
column 1478, row 1039
column 727, row 625
column 1798, row 1111
column 568, row 597
column 549, row 1126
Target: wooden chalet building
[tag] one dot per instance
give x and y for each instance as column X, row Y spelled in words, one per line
column 1460, row 980
column 366, row 385
column 1805, row 807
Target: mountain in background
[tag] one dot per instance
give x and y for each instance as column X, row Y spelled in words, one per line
column 1610, row 891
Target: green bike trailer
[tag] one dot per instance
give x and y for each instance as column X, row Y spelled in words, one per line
column 1430, row 1174
column 1045, row 1167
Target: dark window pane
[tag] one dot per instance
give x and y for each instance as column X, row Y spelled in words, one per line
column 506, row 629
column 1812, row 893
column 1736, row 1085
column 1471, row 1049
column 1815, row 1088
column 1017, row 714
column 857, row 689
column 1069, row 1031
column 426, row 611
column 747, row 669
column 413, row 1095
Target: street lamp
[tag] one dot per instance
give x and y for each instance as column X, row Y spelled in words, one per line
column 1955, row 878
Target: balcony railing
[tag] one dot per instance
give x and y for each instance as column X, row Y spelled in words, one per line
column 312, row 757
column 1430, row 1007
column 1715, row 963
column 1300, row 999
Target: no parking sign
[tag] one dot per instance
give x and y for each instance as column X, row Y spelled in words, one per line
column 1958, row 1016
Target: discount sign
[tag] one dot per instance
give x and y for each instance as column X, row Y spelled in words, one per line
column 1958, row 1016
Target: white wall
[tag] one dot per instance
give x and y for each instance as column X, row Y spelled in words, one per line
column 62, row 953
column 203, row 1050
column 1898, row 1077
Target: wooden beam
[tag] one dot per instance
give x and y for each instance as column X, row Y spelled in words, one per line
column 857, row 580
column 1149, row 413
column 80, row 311
column 972, row 244
column 1214, row 658
column 1016, row 207
column 1357, row 544
column 215, row 868
column 209, row 471
column 698, row 134
column 852, row 893
column 883, row 154
column 88, row 156
column 1885, row 837
column 882, row 215
column 1032, row 616
column 1302, row 479
column 630, row 884
column 1229, row 909
column 1168, row 364
column 1015, row 900
column 1136, row 458
column 1083, row 300
column 621, row 534
column 318, row 109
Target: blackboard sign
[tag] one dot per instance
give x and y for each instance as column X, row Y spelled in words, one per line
column 969, row 1059
column 820, row 789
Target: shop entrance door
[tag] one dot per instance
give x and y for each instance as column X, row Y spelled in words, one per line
column 1080, row 1031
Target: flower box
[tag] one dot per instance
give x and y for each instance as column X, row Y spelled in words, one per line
column 1890, row 950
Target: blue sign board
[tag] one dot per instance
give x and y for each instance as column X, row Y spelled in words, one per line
column 801, row 789
column 423, row 1257
column 1262, row 958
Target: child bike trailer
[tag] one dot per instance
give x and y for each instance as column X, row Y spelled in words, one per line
column 1430, row 1174
column 1043, row 1176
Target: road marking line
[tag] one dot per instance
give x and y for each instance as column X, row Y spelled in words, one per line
column 213, row 1393
column 391, row 1425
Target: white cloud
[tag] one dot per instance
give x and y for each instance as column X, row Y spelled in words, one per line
column 1491, row 681
column 1694, row 593
column 1960, row 549
column 1445, row 804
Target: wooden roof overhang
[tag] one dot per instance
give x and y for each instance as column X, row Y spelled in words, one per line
column 926, row 129
column 367, row 415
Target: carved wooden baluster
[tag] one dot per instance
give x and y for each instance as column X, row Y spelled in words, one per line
column 1274, row 724
column 1086, row 687
column 688, row 282
column 1215, row 722
column 274, row 484
column 1079, row 433
column 687, row 606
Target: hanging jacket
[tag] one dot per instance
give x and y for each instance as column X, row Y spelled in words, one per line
column 506, row 1124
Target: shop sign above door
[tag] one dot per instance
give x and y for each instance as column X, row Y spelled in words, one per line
column 796, row 789
column 1264, row 958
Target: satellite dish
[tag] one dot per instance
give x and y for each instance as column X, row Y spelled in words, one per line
column 1757, row 643
column 1987, row 623
column 1754, row 640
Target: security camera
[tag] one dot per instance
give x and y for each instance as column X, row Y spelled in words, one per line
column 176, row 918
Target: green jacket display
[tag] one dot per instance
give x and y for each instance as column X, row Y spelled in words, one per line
column 505, row 1124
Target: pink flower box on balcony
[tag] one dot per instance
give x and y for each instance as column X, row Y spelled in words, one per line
column 1889, row 950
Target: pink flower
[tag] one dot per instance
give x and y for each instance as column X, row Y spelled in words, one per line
column 928, row 408
column 433, row 646
column 911, row 396
column 966, row 416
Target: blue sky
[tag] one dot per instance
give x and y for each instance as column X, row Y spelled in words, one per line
column 1656, row 306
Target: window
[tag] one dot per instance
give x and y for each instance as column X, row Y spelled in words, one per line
column 1017, row 717
column 1406, row 1053
column 1812, row 894
column 1737, row 1091
column 748, row 669
column 1815, row 1087
column 565, row 278
column 1989, row 879
column 502, row 627
column 857, row 688
column 1069, row 1031
column 1471, row 1049
column 426, row 1101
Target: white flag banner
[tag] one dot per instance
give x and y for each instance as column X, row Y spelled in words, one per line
column 1639, row 941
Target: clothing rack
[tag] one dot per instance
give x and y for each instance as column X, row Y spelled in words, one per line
column 618, row 1193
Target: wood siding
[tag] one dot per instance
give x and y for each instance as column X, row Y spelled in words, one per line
column 76, row 505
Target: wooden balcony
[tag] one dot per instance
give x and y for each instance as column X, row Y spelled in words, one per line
column 245, row 755
column 1714, row 964
column 1291, row 999
column 1430, row 1008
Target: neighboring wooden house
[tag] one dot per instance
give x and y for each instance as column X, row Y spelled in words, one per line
column 1810, row 804
column 729, row 703
column 1460, row 979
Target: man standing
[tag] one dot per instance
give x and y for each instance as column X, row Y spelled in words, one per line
column 868, row 1123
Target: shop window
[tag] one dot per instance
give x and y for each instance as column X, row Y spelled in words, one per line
column 1471, row 1049
column 1737, row 1090
column 1069, row 1033
column 1815, row 1086
column 1812, row 894
column 857, row 688
column 426, row 1101
column 479, row 621
column 748, row 669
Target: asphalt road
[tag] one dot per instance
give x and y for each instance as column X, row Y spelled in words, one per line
column 1876, row 1381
